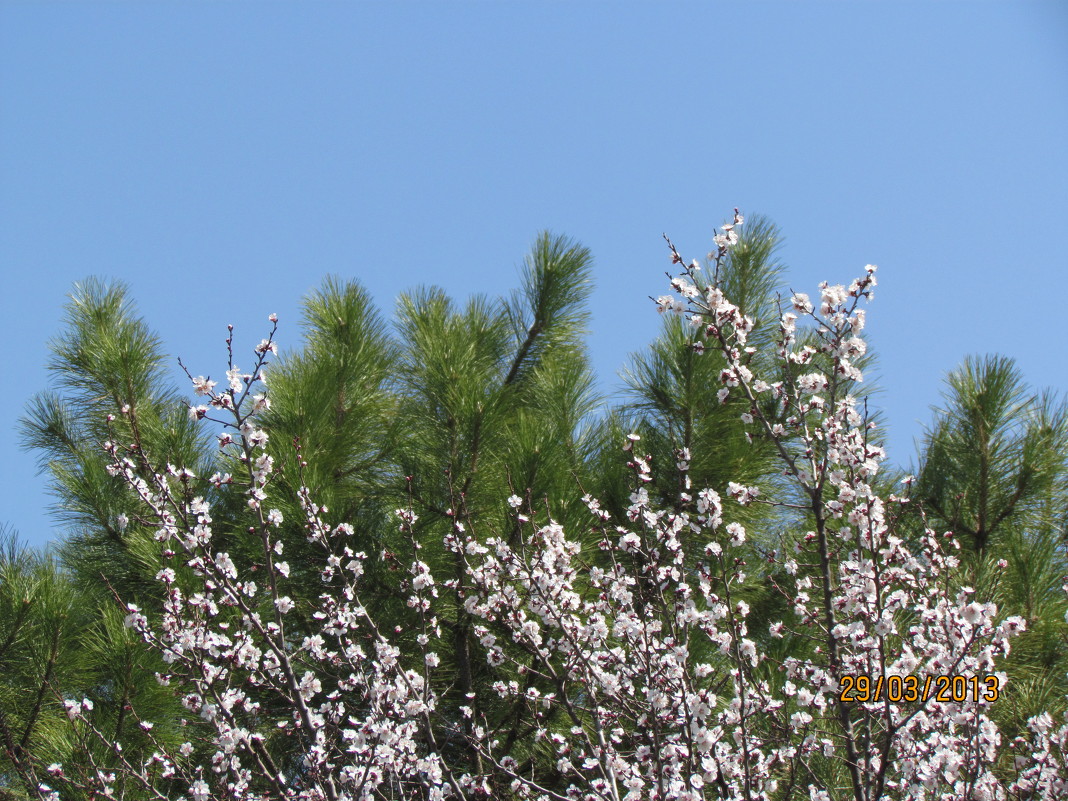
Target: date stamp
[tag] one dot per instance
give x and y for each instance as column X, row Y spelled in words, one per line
column 867, row 689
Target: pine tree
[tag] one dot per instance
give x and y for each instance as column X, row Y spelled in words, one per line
column 993, row 471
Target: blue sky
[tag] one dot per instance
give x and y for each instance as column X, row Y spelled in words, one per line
column 223, row 158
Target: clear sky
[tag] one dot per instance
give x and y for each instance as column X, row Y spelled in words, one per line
column 222, row 158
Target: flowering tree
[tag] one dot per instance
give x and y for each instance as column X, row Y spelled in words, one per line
column 627, row 669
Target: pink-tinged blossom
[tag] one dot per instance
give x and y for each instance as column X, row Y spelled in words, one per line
column 670, row 303
column 742, row 494
column 801, row 303
column 235, row 379
column 726, row 239
column 737, row 532
column 831, row 296
column 685, row 288
column 812, row 382
column 202, row 385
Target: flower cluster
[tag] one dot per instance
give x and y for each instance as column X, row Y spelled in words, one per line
column 358, row 717
column 634, row 664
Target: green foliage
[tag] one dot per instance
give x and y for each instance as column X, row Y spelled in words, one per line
column 994, row 459
column 994, row 472
column 107, row 360
column 450, row 410
column 59, row 642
